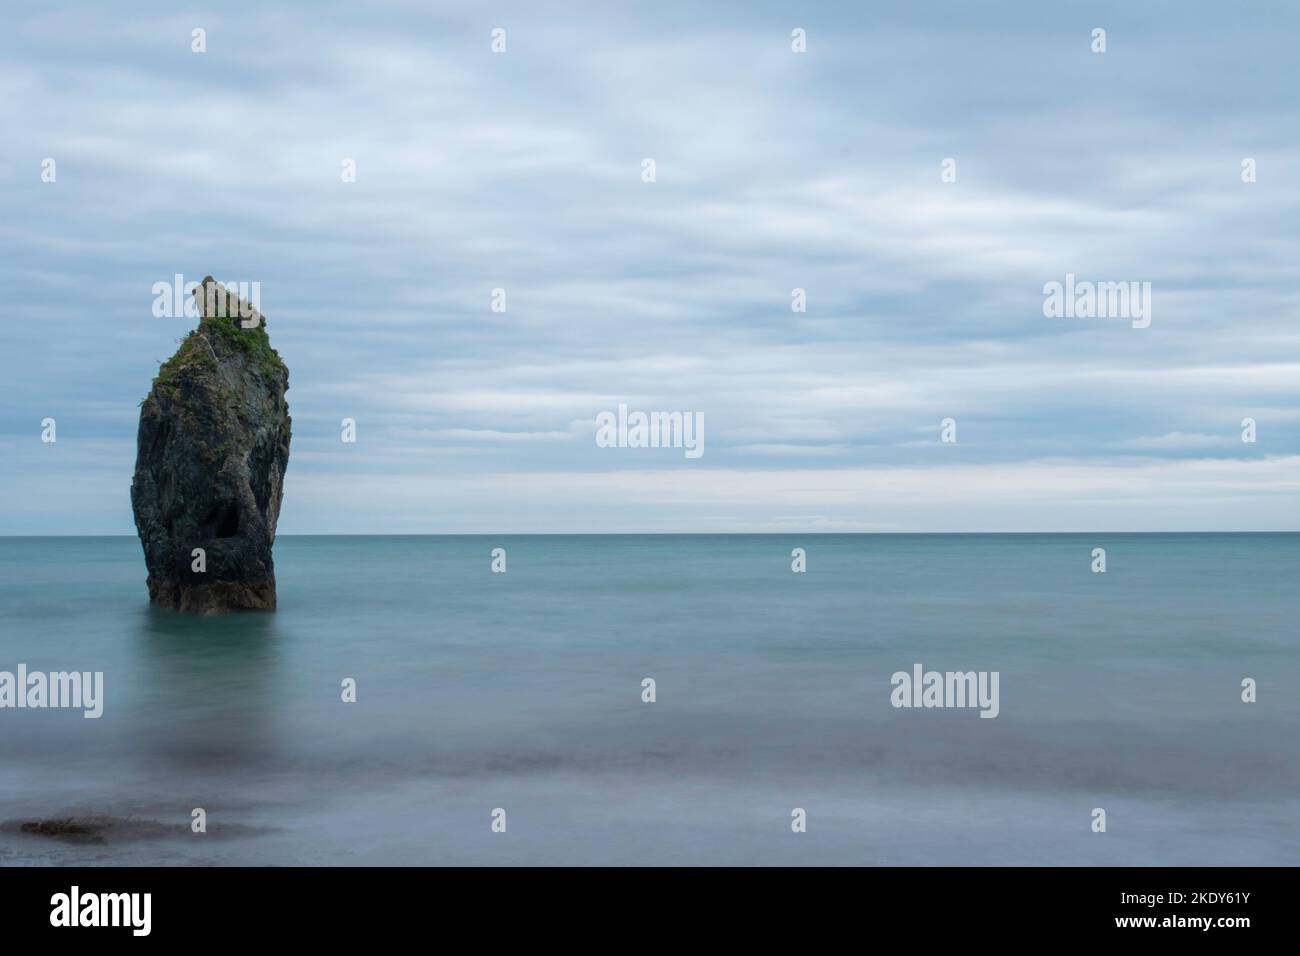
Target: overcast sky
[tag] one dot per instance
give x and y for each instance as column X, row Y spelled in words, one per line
column 775, row 170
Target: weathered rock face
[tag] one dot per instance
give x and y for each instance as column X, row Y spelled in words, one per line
column 211, row 454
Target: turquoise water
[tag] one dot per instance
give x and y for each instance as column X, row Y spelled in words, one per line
column 523, row 691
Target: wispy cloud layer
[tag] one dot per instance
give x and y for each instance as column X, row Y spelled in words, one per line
column 775, row 171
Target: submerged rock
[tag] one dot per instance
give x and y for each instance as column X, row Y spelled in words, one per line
column 211, row 454
column 82, row 831
column 101, row 829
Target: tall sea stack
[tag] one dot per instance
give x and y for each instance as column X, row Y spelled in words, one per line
column 212, row 449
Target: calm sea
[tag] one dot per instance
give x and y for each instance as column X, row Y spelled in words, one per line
column 523, row 691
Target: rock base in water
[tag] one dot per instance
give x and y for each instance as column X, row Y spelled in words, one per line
column 215, row 597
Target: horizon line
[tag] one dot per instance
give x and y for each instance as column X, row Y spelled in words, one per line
column 660, row 534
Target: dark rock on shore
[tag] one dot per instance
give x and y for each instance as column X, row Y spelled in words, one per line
column 212, row 450
column 99, row 829
column 81, row 831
